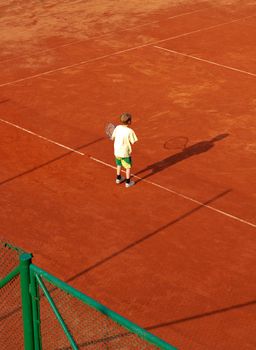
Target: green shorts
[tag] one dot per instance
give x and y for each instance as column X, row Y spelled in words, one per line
column 125, row 162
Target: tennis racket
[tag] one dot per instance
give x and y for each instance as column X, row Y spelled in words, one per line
column 109, row 129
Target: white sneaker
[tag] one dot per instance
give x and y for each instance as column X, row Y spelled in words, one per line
column 118, row 181
column 130, row 184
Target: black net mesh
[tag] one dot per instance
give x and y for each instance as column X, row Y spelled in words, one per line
column 11, row 326
column 89, row 328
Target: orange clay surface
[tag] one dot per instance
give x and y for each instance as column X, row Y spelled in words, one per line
column 175, row 253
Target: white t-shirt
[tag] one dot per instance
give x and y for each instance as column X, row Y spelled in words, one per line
column 123, row 137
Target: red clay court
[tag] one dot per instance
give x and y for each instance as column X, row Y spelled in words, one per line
column 176, row 252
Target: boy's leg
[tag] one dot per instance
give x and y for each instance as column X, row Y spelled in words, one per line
column 128, row 167
column 128, row 173
column 119, row 178
column 118, row 170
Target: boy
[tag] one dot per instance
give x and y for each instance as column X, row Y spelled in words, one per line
column 123, row 137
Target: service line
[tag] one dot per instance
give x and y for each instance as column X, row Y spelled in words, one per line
column 206, row 61
column 121, row 51
column 41, row 137
column 181, row 195
column 100, row 36
column 141, row 179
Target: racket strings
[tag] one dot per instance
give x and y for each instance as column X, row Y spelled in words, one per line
column 109, row 129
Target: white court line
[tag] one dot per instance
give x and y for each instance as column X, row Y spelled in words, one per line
column 158, row 114
column 182, row 195
column 41, row 137
column 149, row 182
column 48, row 79
column 70, row 66
column 119, row 52
column 207, row 61
column 103, row 35
column 206, row 28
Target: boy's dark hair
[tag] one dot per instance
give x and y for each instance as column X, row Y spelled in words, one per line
column 126, row 118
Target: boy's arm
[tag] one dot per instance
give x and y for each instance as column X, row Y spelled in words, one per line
column 132, row 137
column 113, row 135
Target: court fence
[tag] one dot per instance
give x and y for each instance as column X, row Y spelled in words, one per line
column 40, row 312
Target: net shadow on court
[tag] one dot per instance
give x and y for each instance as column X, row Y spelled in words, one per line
column 50, row 161
column 147, row 236
column 202, row 315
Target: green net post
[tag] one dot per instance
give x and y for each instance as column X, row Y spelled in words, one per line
column 25, row 261
column 36, row 311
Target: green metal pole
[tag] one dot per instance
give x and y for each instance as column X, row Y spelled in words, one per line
column 25, row 261
column 57, row 314
column 36, row 311
column 101, row 308
column 9, row 277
